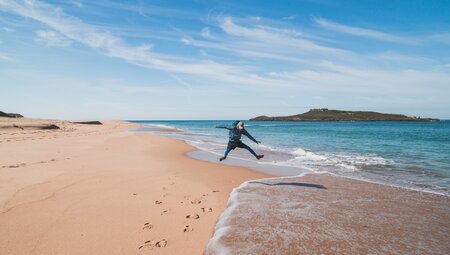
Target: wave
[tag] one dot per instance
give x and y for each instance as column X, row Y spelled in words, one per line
column 166, row 127
column 277, row 156
column 290, row 161
column 299, row 157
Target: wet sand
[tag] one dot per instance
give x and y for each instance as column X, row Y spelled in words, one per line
column 325, row 214
column 98, row 189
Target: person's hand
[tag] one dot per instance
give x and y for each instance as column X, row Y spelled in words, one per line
column 258, row 142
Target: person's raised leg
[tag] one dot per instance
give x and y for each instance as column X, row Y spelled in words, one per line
column 252, row 151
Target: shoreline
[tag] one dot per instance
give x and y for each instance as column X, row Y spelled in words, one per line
column 126, row 192
column 324, row 214
column 292, row 161
column 261, row 169
column 102, row 189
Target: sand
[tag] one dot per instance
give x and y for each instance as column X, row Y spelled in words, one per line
column 327, row 214
column 99, row 189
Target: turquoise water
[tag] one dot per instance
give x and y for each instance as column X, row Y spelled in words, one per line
column 409, row 154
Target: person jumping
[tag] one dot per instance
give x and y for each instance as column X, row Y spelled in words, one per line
column 236, row 131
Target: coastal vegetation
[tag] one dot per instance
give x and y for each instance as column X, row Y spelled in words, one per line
column 324, row 114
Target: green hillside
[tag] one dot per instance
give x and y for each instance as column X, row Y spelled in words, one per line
column 324, row 114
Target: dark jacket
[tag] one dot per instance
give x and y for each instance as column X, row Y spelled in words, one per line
column 235, row 133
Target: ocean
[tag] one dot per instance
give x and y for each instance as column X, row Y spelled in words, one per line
column 302, row 211
column 413, row 155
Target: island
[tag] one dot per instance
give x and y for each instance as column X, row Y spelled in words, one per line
column 10, row 115
column 324, row 114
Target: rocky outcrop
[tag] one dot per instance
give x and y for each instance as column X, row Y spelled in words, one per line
column 10, row 115
column 95, row 122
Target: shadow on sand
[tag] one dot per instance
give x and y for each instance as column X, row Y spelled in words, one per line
column 299, row 184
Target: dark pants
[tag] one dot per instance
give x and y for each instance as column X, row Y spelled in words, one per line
column 238, row 144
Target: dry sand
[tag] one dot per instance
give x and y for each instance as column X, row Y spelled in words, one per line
column 99, row 189
column 90, row 189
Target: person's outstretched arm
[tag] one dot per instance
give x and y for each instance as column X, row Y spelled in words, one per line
column 229, row 128
column 250, row 136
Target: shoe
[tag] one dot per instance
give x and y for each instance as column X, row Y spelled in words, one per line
column 222, row 158
column 260, row 157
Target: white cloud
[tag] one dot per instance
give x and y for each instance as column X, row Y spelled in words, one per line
column 265, row 42
column 336, row 77
column 206, row 33
column 275, row 37
column 77, row 3
column 113, row 46
column 298, row 63
column 52, row 38
column 357, row 31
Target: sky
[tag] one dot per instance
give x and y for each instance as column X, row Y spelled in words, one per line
column 212, row 59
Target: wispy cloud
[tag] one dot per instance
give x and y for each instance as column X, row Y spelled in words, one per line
column 113, row 46
column 275, row 36
column 144, row 8
column 52, row 38
column 363, row 32
column 336, row 77
column 77, row 3
column 261, row 41
column 206, row 33
column 295, row 60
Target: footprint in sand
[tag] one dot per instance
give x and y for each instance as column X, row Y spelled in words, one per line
column 196, row 201
column 216, row 191
column 205, row 209
column 151, row 244
column 188, row 228
column 147, row 225
column 165, row 212
column 193, row 216
column 157, row 202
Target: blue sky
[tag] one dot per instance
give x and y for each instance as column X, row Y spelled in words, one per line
column 223, row 59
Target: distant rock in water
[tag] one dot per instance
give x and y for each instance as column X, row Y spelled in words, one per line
column 324, row 114
column 10, row 115
column 95, row 122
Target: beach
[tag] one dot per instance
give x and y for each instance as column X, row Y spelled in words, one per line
column 98, row 189
column 101, row 189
